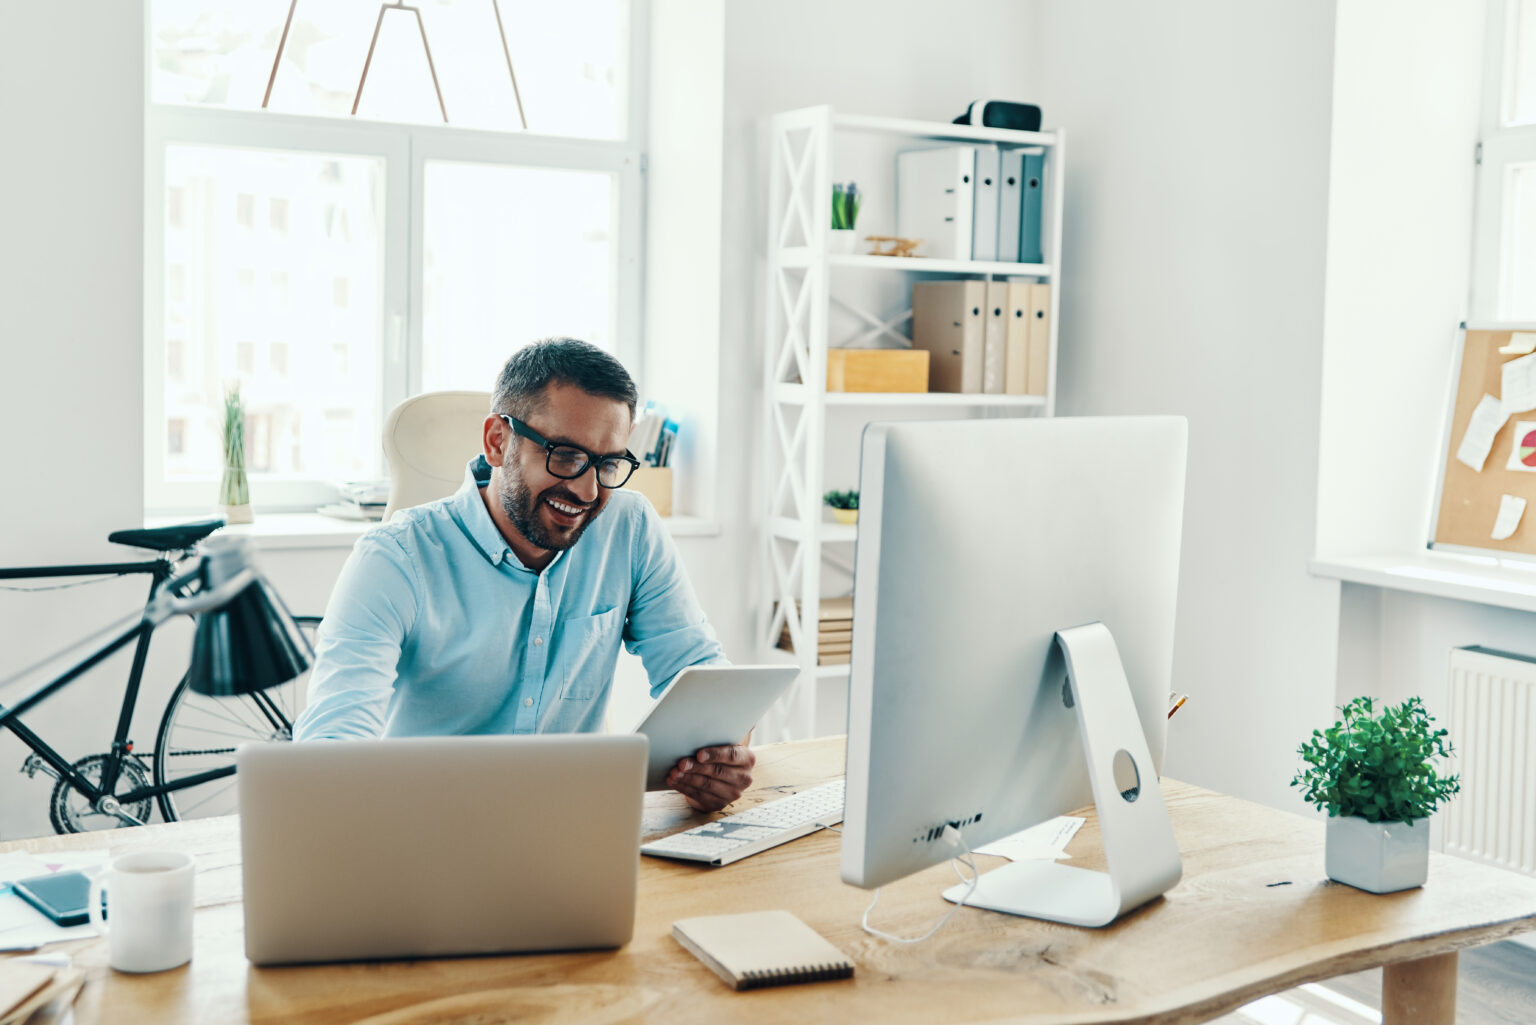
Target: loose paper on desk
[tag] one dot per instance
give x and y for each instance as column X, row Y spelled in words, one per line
column 1487, row 418
column 23, row 927
column 1510, row 511
column 1045, row 842
column 1520, row 343
column 1518, row 386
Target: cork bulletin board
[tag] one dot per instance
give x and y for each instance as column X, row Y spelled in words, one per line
column 1469, row 500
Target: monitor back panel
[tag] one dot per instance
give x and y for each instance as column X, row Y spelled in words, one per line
column 405, row 848
column 977, row 541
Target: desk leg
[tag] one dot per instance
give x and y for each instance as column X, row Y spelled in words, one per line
column 1421, row 992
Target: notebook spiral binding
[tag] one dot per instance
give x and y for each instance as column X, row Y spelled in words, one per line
column 789, row 976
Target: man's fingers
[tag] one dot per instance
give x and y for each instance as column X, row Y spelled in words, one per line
column 710, row 785
column 728, row 754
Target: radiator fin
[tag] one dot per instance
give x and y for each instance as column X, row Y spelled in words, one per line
column 1492, row 721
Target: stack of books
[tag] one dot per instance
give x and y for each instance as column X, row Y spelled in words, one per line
column 359, row 500
column 834, row 633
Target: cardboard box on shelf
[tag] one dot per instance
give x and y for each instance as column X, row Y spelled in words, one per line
column 877, row 370
column 655, row 483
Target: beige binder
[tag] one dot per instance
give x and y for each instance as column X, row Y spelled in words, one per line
column 1016, row 358
column 947, row 321
column 995, row 338
column 1039, row 338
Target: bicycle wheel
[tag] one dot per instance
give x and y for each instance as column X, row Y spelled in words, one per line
column 199, row 733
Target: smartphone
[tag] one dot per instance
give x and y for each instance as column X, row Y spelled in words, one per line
column 62, row 896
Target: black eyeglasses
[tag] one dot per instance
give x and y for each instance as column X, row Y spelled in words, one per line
column 571, row 461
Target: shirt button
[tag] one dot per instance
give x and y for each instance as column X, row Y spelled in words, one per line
column 527, row 702
column 538, row 641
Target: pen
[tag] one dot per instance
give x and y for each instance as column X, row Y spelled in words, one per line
column 1177, row 705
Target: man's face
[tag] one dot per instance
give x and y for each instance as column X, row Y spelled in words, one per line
column 549, row 512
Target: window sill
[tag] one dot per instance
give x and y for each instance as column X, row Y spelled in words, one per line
column 1487, row 580
column 286, row 531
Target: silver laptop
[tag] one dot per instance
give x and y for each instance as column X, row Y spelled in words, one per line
column 356, row 850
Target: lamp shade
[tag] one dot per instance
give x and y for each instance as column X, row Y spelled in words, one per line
column 248, row 644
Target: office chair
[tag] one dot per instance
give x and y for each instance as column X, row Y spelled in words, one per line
column 427, row 440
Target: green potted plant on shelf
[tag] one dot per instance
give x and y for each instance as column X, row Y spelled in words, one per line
column 1375, row 775
column 234, row 485
column 845, row 213
column 844, row 505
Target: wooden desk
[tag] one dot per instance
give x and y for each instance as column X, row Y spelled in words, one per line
column 1253, row 915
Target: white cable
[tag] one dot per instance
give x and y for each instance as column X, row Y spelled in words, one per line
column 956, row 838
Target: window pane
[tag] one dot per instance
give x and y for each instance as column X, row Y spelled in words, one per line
column 254, row 305
column 512, row 254
column 1519, row 249
column 1520, row 108
column 570, row 60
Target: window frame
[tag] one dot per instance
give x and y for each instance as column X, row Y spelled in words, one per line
column 404, row 149
column 1500, row 147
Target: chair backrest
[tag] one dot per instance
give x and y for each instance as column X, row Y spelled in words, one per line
column 427, row 440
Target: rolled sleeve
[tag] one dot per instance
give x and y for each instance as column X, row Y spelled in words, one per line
column 357, row 657
column 666, row 627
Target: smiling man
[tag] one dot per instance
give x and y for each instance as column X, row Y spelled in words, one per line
column 501, row 609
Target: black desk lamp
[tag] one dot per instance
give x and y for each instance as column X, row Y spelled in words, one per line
column 246, row 640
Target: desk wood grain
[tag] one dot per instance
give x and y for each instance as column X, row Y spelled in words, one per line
column 1253, row 915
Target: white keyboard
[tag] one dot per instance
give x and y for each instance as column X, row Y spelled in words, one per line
column 746, row 833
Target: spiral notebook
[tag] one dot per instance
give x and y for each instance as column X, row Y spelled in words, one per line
column 761, row 948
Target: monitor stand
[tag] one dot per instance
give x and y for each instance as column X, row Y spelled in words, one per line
column 1138, row 838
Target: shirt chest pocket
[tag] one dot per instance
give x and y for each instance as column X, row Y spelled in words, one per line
column 588, row 649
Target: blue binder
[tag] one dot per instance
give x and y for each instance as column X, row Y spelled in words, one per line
column 1030, row 226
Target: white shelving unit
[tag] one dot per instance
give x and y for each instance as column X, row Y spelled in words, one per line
column 800, row 293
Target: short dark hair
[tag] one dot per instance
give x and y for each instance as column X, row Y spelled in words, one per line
column 520, row 385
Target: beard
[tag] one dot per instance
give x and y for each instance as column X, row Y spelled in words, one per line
column 522, row 508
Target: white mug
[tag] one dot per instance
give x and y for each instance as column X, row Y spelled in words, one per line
column 149, row 910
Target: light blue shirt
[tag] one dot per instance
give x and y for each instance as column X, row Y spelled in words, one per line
column 436, row 628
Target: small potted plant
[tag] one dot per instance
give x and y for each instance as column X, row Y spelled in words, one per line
column 234, row 486
column 1375, row 775
column 844, row 505
column 845, row 213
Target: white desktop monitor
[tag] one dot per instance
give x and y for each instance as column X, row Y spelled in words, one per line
column 978, row 541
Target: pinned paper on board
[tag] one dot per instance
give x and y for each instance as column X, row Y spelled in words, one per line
column 1476, row 443
column 1520, row 343
column 1510, row 511
column 1522, row 452
column 1518, row 391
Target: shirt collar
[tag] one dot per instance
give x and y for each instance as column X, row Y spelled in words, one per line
column 469, row 511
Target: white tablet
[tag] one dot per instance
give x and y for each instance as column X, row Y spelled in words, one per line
column 707, row 706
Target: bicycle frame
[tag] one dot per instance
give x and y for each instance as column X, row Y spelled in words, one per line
column 161, row 571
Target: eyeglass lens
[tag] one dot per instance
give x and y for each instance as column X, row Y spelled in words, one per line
column 568, row 463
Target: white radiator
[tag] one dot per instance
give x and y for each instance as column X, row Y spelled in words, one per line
column 1492, row 722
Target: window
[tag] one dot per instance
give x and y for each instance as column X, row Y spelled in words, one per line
column 1504, row 267
column 384, row 254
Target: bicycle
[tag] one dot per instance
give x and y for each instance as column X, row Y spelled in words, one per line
column 190, row 772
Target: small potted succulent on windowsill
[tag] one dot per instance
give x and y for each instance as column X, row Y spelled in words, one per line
column 845, row 213
column 1375, row 776
column 844, row 505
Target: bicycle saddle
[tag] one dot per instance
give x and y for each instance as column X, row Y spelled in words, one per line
column 166, row 539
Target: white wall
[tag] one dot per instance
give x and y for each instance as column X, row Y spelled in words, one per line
column 1197, row 202
column 70, row 391
column 1405, row 118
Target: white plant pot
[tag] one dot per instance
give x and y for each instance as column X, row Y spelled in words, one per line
column 1379, row 857
column 237, row 514
column 842, row 240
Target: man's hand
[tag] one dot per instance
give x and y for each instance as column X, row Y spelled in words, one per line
column 714, row 776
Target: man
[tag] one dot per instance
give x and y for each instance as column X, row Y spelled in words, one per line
column 501, row 609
